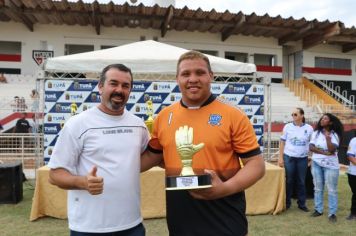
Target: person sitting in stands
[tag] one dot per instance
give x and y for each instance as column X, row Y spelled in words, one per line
column 3, row 78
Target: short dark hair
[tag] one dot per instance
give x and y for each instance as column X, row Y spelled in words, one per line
column 120, row 67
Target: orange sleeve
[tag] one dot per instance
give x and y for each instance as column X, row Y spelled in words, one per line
column 244, row 139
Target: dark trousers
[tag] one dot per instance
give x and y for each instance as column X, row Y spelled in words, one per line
column 138, row 230
column 296, row 170
column 352, row 183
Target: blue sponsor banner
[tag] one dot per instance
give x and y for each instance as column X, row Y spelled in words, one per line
column 60, row 94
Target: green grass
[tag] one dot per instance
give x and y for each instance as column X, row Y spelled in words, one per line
column 14, row 220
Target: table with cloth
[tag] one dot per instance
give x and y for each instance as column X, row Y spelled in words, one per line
column 267, row 196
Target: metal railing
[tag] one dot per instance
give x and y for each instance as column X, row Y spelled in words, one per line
column 331, row 90
column 27, row 148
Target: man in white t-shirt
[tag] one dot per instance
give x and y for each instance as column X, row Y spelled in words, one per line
column 97, row 158
column 351, row 174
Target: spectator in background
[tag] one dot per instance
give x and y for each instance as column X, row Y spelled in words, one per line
column 3, row 78
column 34, row 124
column 35, row 102
column 22, row 125
column 22, row 106
column 1, row 128
column 325, row 163
column 351, row 175
column 16, row 104
column 293, row 156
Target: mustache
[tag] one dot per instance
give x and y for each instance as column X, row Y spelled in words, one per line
column 121, row 95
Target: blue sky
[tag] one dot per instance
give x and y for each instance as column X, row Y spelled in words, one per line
column 333, row 10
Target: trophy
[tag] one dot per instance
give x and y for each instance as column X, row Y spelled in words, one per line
column 149, row 121
column 186, row 149
column 73, row 108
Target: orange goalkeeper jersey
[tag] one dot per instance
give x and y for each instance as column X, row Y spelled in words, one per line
column 224, row 129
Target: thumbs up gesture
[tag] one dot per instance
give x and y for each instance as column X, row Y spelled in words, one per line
column 95, row 184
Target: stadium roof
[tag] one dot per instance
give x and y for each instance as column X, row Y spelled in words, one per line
column 286, row 30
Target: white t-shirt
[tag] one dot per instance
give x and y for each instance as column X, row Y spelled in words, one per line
column 318, row 140
column 114, row 145
column 351, row 152
column 296, row 139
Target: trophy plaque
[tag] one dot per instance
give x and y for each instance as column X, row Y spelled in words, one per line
column 186, row 149
column 149, row 121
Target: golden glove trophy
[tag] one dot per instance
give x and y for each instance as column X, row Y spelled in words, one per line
column 73, row 108
column 149, row 121
column 186, row 149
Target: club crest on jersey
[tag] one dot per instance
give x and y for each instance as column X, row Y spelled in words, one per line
column 214, row 119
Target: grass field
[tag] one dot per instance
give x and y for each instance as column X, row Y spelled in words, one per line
column 14, row 220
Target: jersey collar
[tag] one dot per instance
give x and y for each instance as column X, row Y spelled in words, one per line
column 211, row 98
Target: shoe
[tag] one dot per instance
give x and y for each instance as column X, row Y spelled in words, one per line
column 332, row 218
column 351, row 217
column 316, row 214
column 303, row 208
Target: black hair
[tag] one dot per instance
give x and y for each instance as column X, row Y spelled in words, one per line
column 335, row 125
column 120, row 67
column 301, row 111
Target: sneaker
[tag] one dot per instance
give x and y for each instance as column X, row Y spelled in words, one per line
column 303, row 208
column 351, row 217
column 332, row 218
column 316, row 214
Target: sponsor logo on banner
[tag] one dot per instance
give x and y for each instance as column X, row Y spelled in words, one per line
column 172, row 98
column 237, row 88
column 83, row 86
column 161, row 87
column 253, row 99
column 154, row 97
column 248, row 110
column 52, row 96
column 258, row 130
column 232, row 98
column 257, row 120
column 56, row 118
column 51, row 129
column 57, row 85
column 140, row 86
column 217, row 88
column 256, row 90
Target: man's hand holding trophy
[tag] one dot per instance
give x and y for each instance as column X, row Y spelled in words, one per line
column 186, row 149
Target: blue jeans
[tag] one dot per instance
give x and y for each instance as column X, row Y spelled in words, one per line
column 138, row 230
column 329, row 177
column 296, row 170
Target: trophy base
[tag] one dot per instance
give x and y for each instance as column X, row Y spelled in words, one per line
column 188, row 182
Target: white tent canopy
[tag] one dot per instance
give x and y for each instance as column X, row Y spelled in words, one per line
column 142, row 57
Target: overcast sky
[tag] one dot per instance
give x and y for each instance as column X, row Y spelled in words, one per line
column 333, row 10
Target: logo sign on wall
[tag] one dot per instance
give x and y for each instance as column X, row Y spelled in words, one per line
column 61, row 94
column 41, row 55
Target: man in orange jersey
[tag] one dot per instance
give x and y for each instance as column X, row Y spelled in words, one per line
column 227, row 134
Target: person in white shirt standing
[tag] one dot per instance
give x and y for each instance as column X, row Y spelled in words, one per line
column 351, row 174
column 325, row 163
column 293, row 156
column 97, row 158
